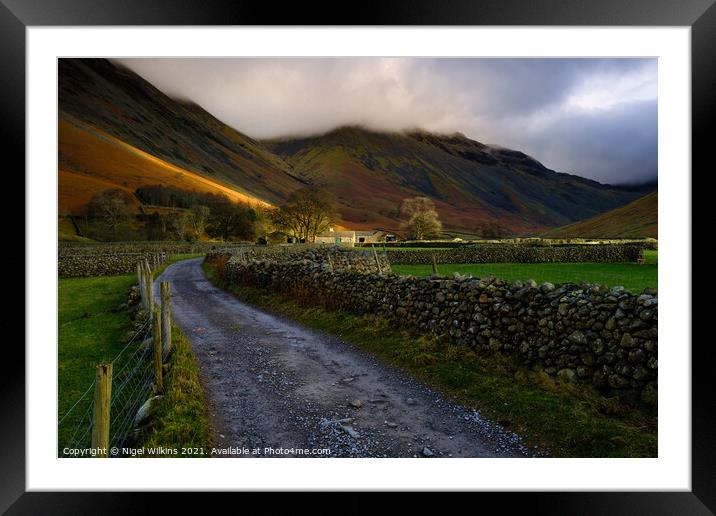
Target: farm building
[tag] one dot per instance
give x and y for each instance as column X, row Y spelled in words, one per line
column 349, row 237
column 368, row 237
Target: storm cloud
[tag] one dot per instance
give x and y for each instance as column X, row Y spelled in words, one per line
column 592, row 117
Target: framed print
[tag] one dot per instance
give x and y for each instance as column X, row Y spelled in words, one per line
column 419, row 252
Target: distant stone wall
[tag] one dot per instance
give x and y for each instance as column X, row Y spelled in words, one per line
column 337, row 257
column 168, row 247
column 78, row 259
column 646, row 243
column 588, row 333
column 104, row 264
column 519, row 253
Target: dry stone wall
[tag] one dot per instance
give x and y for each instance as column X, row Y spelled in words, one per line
column 520, row 253
column 579, row 333
column 367, row 261
column 104, row 264
column 168, row 247
column 77, row 259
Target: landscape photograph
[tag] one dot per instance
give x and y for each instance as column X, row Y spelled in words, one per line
column 357, row 257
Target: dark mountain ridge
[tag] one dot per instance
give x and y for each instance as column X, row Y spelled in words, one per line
column 463, row 175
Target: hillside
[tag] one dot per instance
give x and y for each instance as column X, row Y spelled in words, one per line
column 635, row 220
column 92, row 161
column 116, row 129
column 370, row 172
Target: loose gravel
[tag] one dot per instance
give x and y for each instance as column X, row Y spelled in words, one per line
column 274, row 384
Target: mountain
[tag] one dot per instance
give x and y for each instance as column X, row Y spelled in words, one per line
column 117, row 130
column 370, row 172
column 635, row 220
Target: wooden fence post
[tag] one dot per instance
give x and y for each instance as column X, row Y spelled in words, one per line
column 149, row 286
column 100, row 415
column 166, row 318
column 157, row 343
column 140, row 282
column 377, row 262
column 435, row 266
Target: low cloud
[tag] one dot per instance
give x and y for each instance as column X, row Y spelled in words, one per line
column 593, row 117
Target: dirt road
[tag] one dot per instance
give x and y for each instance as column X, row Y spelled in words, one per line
column 272, row 383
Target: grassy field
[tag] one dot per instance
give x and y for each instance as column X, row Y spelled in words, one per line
column 632, row 276
column 91, row 330
column 180, row 419
column 564, row 420
column 637, row 219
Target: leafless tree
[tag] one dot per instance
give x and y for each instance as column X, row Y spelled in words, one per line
column 423, row 221
column 306, row 213
column 199, row 219
column 114, row 206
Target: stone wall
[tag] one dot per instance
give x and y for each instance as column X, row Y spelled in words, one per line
column 520, row 253
column 646, row 243
column 77, row 259
column 579, row 333
column 104, row 264
column 168, row 247
column 337, row 257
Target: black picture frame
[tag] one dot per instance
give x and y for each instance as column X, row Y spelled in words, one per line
column 700, row 15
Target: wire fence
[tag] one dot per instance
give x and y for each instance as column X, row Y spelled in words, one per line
column 132, row 384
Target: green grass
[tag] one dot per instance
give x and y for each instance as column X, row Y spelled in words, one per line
column 651, row 256
column 180, row 419
column 566, row 420
column 632, row 276
column 91, row 330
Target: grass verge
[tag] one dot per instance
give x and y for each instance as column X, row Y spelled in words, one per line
column 180, row 419
column 565, row 420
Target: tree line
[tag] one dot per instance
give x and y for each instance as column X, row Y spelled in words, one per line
column 190, row 215
column 114, row 215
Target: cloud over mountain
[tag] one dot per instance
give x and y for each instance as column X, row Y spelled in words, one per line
column 592, row 117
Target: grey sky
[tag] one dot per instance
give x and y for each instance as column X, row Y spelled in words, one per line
column 593, row 117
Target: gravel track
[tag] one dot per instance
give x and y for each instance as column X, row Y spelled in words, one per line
column 273, row 383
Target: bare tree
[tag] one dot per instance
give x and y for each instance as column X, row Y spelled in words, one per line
column 306, row 213
column 422, row 216
column 179, row 224
column 199, row 219
column 114, row 206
